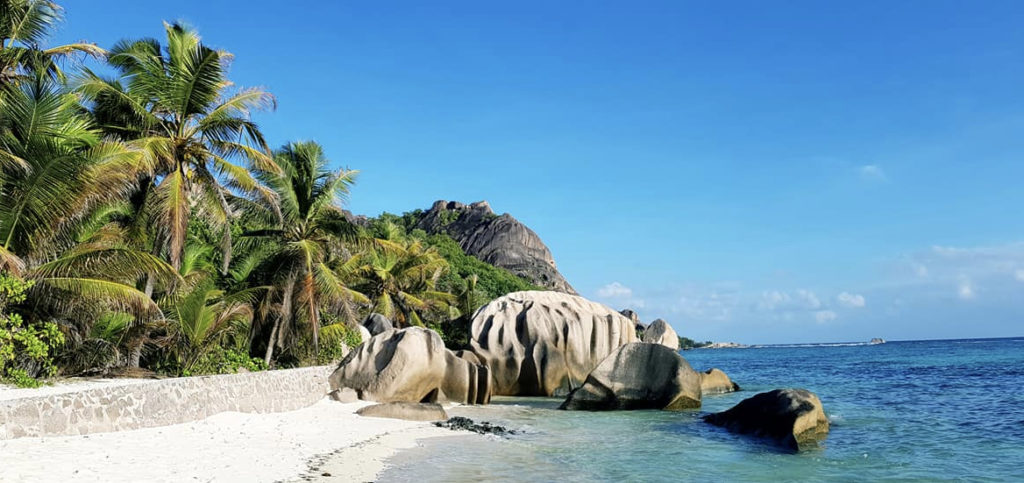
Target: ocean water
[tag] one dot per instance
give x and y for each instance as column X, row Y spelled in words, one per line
column 907, row 411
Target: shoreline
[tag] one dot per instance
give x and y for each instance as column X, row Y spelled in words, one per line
column 300, row 445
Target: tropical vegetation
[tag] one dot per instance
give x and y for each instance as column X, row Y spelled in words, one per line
column 147, row 226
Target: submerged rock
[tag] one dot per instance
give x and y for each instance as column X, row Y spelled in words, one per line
column 410, row 365
column 405, row 410
column 714, row 381
column 459, row 423
column 659, row 332
column 545, row 343
column 793, row 418
column 639, row 376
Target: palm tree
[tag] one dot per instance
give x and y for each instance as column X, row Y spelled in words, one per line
column 176, row 106
column 298, row 242
column 47, row 207
column 201, row 318
column 400, row 278
column 24, row 26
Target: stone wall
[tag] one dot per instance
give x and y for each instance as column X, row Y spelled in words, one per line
column 161, row 402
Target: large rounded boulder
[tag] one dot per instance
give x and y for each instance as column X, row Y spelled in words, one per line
column 793, row 418
column 659, row 332
column 545, row 343
column 714, row 381
column 410, row 365
column 639, row 376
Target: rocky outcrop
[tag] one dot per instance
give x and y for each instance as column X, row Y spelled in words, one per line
column 377, row 323
column 640, row 326
column 410, row 365
column 545, row 343
column 501, row 241
column 405, row 410
column 639, row 376
column 659, row 332
column 714, row 381
column 793, row 418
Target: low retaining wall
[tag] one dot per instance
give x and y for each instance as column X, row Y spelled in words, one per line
column 161, row 402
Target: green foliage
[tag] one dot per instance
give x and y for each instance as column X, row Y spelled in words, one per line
column 337, row 338
column 224, row 360
column 686, row 343
column 22, row 344
column 492, row 282
column 447, row 217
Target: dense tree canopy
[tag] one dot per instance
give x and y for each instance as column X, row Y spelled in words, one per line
column 146, row 225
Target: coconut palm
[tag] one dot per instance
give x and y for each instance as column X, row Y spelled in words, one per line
column 400, row 278
column 52, row 212
column 298, row 242
column 24, row 27
column 175, row 105
column 200, row 319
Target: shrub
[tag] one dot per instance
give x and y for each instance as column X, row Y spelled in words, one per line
column 24, row 347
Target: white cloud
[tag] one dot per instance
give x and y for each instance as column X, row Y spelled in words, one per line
column 850, row 300
column 872, row 172
column 1019, row 275
column 615, row 290
column 802, row 299
column 823, row 316
column 619, row 296
column 965, row 291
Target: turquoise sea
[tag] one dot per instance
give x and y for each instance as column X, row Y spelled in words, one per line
column 907, row 411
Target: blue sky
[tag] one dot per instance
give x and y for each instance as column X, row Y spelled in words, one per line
column 752, row 171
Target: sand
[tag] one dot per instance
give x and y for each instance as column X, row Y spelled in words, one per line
column 327, row 437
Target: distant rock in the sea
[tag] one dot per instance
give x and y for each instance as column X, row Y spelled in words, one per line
column 640, row 375
column 545, row 343
column 500, row 240
column 877, row 341
column 793, row 418
column 724, row 345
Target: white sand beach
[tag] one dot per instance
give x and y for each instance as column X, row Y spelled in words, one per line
column 327, row 437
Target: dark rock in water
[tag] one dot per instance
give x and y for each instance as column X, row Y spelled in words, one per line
column 377, row 323
column 405, row 410
column 639, row 376
column 459, row 423
column 501, row 241
column 793, row 418
column 877, row 341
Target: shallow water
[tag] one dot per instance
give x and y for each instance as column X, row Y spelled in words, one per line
column 910, row 411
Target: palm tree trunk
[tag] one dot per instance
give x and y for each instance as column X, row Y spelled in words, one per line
column 272, row 341
column 135, row 357
column 150, row 282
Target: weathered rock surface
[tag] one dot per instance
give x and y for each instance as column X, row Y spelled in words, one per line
column 344, row 395
column 714, row 381
column 640, row 326
column 410, row 365
column 501, row 241
column 793, row 418
column 405, row 410
column 659, row 332
column 459, row 423
column 639, row 376
column 377, row 323
column 545, row 343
